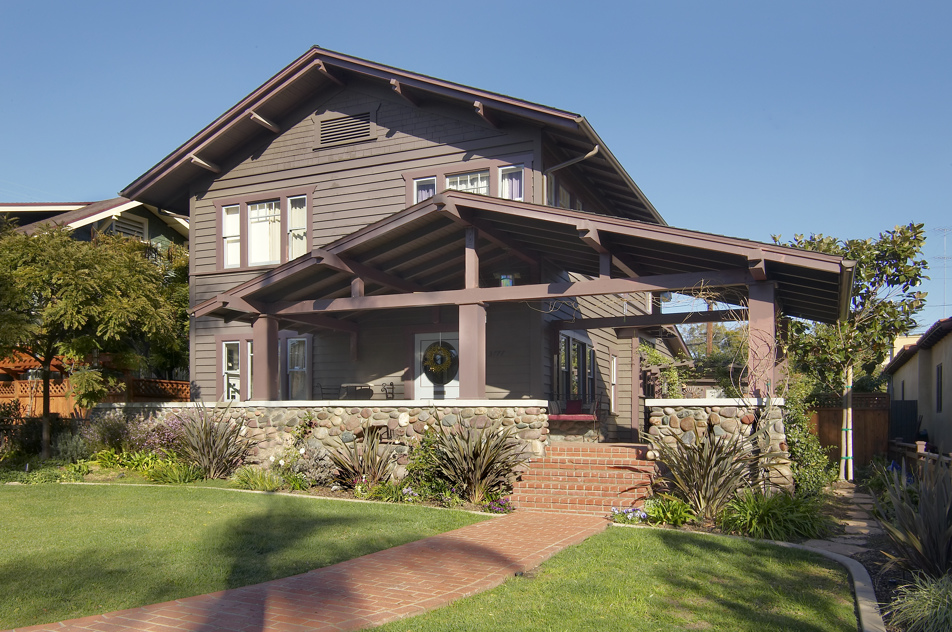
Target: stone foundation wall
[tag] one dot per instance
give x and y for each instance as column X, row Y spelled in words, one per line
column 270, row 426
column 690, row 419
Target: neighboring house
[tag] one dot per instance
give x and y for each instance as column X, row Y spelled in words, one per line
column 118, row 215
column 363, row 231
column 919, row 372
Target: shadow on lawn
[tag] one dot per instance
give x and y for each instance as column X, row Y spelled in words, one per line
column 716, row 564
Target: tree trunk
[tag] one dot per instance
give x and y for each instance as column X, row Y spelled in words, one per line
column 45, row 451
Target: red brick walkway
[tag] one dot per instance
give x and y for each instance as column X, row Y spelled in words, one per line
column 367, row 591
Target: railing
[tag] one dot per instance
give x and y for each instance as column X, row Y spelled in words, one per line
column 914, row 454
column 30, row 394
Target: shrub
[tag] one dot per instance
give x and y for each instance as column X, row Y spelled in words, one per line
column 668, row 509
column 924, row 605
column 107, row 431
column 480, row 461
column 258, row 479
column 173, row 473
column 708, row 472
column 810, row 463
column 212, row 442
column 71, row 447
column 140, row 461
column 296, row 482
column 368, row 462
column 499, row 506
column 107, row 458
column 394, row 492
column 919, row 521
column 778, row 516
column 423, row 467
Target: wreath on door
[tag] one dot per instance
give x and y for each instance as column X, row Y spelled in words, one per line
column 440, row 362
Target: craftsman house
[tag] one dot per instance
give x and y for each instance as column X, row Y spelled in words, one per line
column 364, row 232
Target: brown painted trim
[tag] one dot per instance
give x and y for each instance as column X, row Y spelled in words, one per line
column 493, row 165
column 660, row 283
column 653, row 320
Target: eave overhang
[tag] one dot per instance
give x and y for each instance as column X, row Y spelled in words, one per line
column 166, row 185
column 414, row 259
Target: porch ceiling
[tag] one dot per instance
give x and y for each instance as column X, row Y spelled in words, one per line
column 421, row 249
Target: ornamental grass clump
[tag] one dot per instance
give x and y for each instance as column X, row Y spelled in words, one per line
column 917, row 517
column 708, row 472
column 257, row 479
column 925, row 605
column 368, row 462
column 213, row 442
column 480, row 462
column 777, row 516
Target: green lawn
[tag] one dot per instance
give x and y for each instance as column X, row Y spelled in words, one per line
column 70, row 550
column 653, row 580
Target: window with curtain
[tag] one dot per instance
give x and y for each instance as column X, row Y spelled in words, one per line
column 297, row 227
column 231, row 235
column 476, row 182
column 423, row 189
column 510, row 183
column 297, row 369
column 264, row 233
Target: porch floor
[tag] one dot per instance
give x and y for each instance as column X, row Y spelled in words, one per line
column 367, row 591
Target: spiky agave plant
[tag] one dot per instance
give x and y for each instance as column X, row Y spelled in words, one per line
column 708, row 472
column 480, row 460
column 369, row 461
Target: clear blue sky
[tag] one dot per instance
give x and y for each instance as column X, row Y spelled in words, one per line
column 739, row 118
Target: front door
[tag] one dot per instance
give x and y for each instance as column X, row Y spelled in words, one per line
column 437, row 366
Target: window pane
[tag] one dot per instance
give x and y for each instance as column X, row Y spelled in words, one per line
column 232, row 371
column 511, row 183
column 264, row 230
column 297, row 243
column 297, row 214
column 232, row 252
column 231, row 225
column 425, row 189
column 297, row 369
column 477, row 182
column 232, row 361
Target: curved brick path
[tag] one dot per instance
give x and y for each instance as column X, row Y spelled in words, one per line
column 367, row 591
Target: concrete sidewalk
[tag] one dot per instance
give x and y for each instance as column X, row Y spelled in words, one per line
column 367, row 591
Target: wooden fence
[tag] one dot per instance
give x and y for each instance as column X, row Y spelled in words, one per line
column 870, row 426
column 30, row 394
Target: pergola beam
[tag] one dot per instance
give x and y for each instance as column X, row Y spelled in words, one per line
column 652, row 320
column 685, row 282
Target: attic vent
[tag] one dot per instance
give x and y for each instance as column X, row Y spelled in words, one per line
column 130, row 227
column 345, row 129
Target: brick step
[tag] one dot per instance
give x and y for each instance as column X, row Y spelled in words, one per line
column 598, row 506
column 569, row 466
column 633, row 450
column 582, row 462
column 582, row 490
column 588, row 477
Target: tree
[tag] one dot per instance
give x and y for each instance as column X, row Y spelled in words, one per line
column 63, row 297
column 885, row 301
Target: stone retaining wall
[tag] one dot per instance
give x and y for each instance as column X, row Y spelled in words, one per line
column 690, row 419
column 270, row 425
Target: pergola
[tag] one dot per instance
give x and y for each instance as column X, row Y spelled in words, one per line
column 436, row 253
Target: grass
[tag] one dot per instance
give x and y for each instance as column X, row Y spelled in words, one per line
column 70, row 550
column 656, row 580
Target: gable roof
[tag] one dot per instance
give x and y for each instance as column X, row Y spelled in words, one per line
column 939, row 330
column 79, row 215
column 259, row 114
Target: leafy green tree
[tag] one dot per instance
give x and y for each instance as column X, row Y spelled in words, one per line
column 885, row 301
column 63, row 297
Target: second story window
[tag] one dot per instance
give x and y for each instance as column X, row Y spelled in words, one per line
column 257, row 232
column 476, row 182
column 510, row 183
column 423, row 189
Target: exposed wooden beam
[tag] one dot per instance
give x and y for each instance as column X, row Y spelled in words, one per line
column 589, row 234
column 653, row 320
column 263, row 122
column 320, row 321
column 483, row 112
column 204, row 164
column 369, row 273
column 357, row 287
column 490, row 234
column 404, row 92
column 322, row 68
column 685, row 282
column 755, row 262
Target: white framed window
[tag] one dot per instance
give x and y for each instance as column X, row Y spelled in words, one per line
column 423, row 189
column 613, row 372
column 231, row 370
column 298, row 386
column 264, row 230
column 511, row 183
column 231, row 235
column 476, row 182
column 297, row 226
column 251, row 370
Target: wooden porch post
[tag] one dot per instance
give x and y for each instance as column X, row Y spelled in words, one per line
column 762, row 340
column 264, row 333
column 472, row 351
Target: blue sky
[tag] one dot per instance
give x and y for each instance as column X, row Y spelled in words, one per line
column 740, row 118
